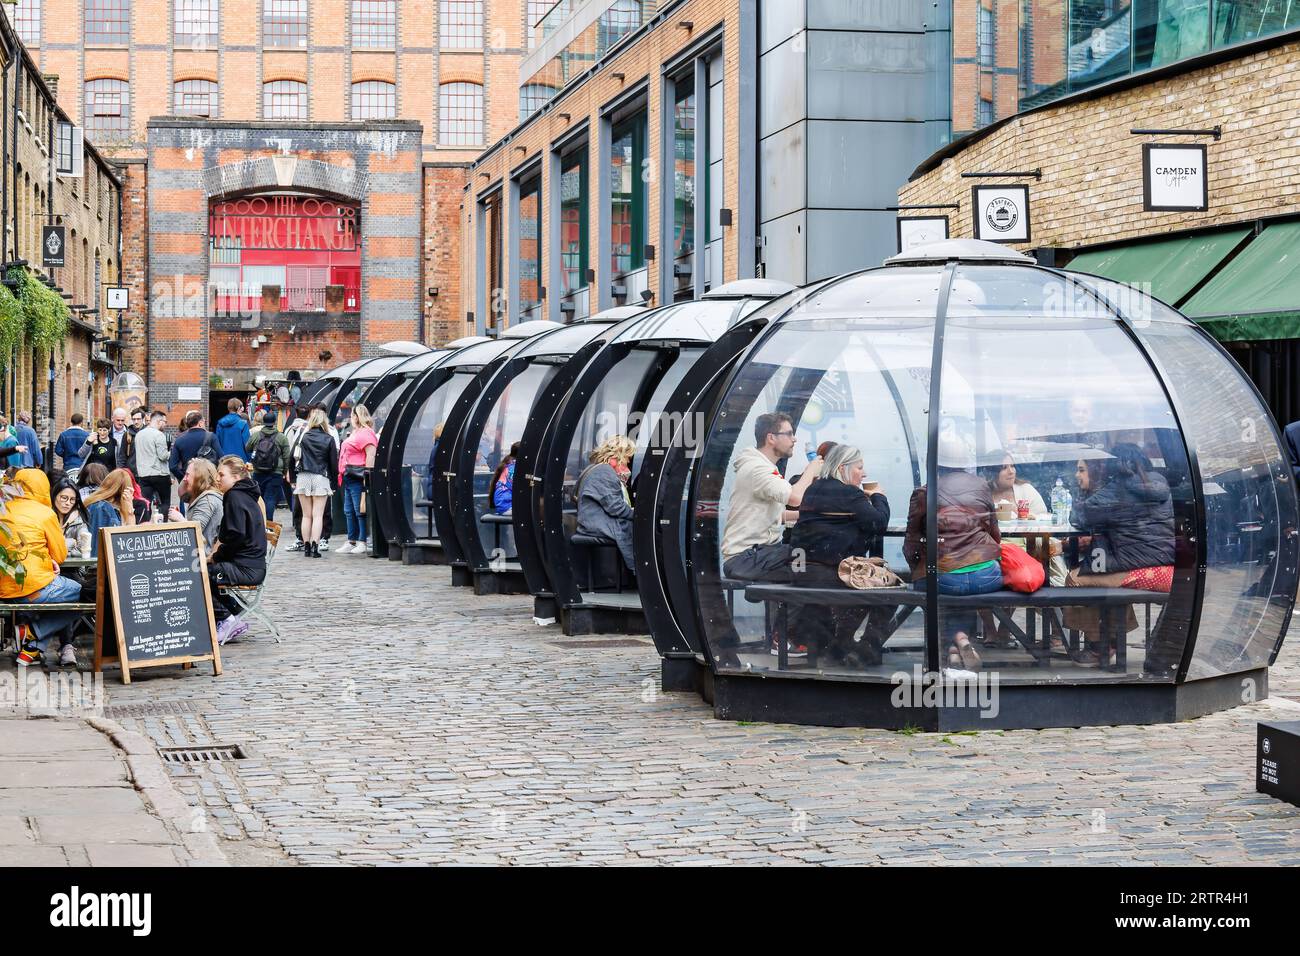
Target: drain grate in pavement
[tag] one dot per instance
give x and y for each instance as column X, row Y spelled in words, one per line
column 189, row 755
column 157, row 708
column 614, row 642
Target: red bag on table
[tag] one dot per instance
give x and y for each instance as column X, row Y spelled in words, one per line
column 1020, row 572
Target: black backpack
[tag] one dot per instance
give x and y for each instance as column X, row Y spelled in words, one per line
column 207, row 451
column 266, row 456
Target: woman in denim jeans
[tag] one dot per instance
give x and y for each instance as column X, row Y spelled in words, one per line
column 356, row 455
column 969, row 547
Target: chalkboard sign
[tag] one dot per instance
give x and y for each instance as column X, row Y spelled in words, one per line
column 153, row 597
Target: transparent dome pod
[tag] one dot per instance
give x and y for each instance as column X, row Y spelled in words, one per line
column 323, row 389
column 403, row 473
column 354, row 386
column 488, row 420
column 621, row 390
column 979, row 407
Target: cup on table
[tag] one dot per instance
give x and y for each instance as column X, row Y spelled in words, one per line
column 1022, row 509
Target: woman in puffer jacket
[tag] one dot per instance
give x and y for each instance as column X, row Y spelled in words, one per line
column 1131, row 520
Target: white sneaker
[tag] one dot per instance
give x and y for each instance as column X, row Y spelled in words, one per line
column 360, row 548
column 323, row 545
column 346, row 549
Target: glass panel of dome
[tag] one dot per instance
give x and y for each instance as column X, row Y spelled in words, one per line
column 691, row 320
column 420, row 444
column 1016, row 290
column 1008, row 432
column 1250, row 515
column 1131, row 302
column 867, row 387
column 885, row 292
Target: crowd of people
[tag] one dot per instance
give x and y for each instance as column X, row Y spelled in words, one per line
column 800, row 532
column 131, row 470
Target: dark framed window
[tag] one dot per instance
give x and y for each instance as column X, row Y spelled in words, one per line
column 284, row 99
column 196, row 23
column 194, row 98
column 460, row 24
column 530, row 244
column 685, row 180
column 284, row 23
column 460, row 114
column 574, row 228
column 108, row 21
column 108, row 110
column 984, row 117
column 374, row 24
column 627, row 219
column 27, row 21
column 374, row 99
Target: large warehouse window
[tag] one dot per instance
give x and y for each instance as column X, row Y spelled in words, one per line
column 284, row 23
column 108, row 21
column 108, row 110
column 194, row 98
column 27, row 19
column 460, row 114
column 627, row 217
column 374, row 99
column 196, row 23
column 460, row 24
column 284, row 99
column 374, row 24
column 532, row 97
column 573, row 221
column 532, row 28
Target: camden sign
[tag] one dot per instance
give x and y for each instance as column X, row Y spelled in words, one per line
column 1174, row 178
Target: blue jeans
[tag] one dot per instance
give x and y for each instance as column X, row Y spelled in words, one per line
column 970, row 582
column 59, row 591
column 269, row 485
column 353, row 488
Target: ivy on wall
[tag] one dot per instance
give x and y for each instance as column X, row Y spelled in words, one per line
column 45, row 314
column 12, row 324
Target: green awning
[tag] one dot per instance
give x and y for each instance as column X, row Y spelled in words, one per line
column 1172, row 267
column 1257, row 295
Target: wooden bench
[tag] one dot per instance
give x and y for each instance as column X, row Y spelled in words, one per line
column 9, row 610
column 1001, row 604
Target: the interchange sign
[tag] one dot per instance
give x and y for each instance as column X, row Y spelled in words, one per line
column 285, row 223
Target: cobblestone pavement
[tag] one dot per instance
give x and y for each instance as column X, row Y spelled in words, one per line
column 416, row 723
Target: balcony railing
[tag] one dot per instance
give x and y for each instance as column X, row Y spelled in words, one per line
column 247, row 300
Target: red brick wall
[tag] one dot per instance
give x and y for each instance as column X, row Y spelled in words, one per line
column 441, row 256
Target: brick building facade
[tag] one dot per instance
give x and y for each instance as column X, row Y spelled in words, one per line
column 400, row 94
column 76, row 378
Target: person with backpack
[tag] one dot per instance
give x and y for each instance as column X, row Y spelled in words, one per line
column 68, row 447
column 195, row 442
column 268, row 450
column 232, row 431
column 126, row 446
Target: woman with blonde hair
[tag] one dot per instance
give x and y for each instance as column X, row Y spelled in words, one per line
column 205, row 503
column 316, row 464
column 604, row 503
column 110, row 505
column 356, row 457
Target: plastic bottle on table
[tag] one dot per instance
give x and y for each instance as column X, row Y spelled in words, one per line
column 1062, row 502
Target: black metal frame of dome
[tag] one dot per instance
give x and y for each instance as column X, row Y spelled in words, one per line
column 324, row 388
column 668, row 341
column 682, row 582
column 392, row 479
column 463, row 509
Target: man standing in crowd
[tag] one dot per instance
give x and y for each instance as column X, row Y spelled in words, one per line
column 195, row 442
column 152, row 458
column 268, row 449
column 68, row 447
column 11, row 449
column 751, row 542
column 33, row 457
column 232, row 431
column 119, row 428
column 126, row 447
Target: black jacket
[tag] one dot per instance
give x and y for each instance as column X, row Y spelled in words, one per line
column 243, row 529
column 187, row 446
column 319, row 456
column 838, row 521
column 126, row 449
column 101, row 453
column 1131, row 522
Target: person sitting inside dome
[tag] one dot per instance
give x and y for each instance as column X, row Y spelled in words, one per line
column 604, row 504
